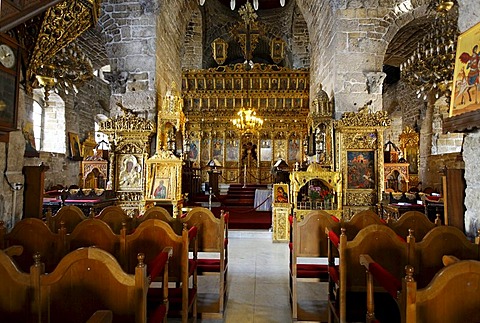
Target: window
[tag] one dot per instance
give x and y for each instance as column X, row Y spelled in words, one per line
column 48, row 120
column 37, row 117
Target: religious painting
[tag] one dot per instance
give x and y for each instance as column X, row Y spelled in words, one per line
column 130, row 172
column 160, row 188
column 232, row 150
column 217, row 151
column 28, row 134
column 361, row 169
column 280, row 193
column 293, row 149
column 193, row 151
column 205, row 150
column 74, row 146
column 466, row 79
column 266, row 150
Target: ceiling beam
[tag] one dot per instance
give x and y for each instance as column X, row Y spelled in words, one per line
column 13, row 16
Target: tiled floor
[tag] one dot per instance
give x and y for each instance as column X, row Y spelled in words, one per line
column 258, row 277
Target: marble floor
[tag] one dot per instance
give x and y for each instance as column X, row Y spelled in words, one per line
column 258, row 278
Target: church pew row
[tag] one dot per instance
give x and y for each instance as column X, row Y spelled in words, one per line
column 151, row 237
column 425, row 256
column 347, row 282
column 212, row 241
column 86, row 283
column 453, row 295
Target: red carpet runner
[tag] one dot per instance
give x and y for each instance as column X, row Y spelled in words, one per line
column 239, row 202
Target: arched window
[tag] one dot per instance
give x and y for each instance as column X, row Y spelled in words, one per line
column 49, row 122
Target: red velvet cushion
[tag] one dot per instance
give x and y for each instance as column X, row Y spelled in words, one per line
column 208, row 265
column 312, row 271
column 158, row 314
column 334, row 218
column 175, row 298
column 334, row 274
column 225, row 216
column 225, row 243
column 192, row 232
column 391, row 284
column 334, row 238
column 156, row 266
column 192, row 265
column 290, row 245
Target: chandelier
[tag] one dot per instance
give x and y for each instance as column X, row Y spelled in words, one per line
column 255, row 3
column 68, row 69
column 430, row 67
column 247, row 121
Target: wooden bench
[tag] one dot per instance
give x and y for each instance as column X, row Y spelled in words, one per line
column 115, row 217
column 35, row 237
column 212, row 239
column 159, row 213
column 309, row 243
column 150, row 238
column 451, row 296
column 347, row 284
column 86, row 282
column 413, row 220
column 70, row 215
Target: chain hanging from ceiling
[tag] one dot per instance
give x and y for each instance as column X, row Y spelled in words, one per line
column 255, row 3
column 430, row 67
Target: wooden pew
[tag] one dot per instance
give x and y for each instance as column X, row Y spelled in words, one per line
column 95, row 232
column 70, row 215
column 212, row 239
column 15, row 292
column 413, row 220
column 451, row 296
column 88, row 280
column 443, row 240
column 310, row 243
column 157, row 212
column 357, row 222
column 115, row 217
column 347, row 284
column 150, row 238
column 34, row 236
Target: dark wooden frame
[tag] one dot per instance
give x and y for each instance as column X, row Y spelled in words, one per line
column 9, row 84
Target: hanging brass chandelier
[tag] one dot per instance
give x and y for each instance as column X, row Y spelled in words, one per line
column 430, row 67
column 247, row 120
column 255, row 3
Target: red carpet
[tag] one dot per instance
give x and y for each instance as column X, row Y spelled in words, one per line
column 239, row 202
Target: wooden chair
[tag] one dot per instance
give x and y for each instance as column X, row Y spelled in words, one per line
column 95, row 232
column 413, row 220
column 442, row 240
column 34, row 236
column 15, row 292
column 70, row 215
column 88, row 280
column 347, row 285
column 451, row 296
column 157, row 212
column 115, row 217
column 212, row 239
column 359, row 221
column 309, row 241
column 150, row 238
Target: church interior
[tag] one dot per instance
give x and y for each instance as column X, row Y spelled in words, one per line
column 319, row 123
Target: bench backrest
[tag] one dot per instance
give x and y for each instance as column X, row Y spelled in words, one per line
column 70, row 215
column 414, row 220
column 88, row 280
column 115, row 217
column 159, row 213
column 35, row 236
column 211, row 230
